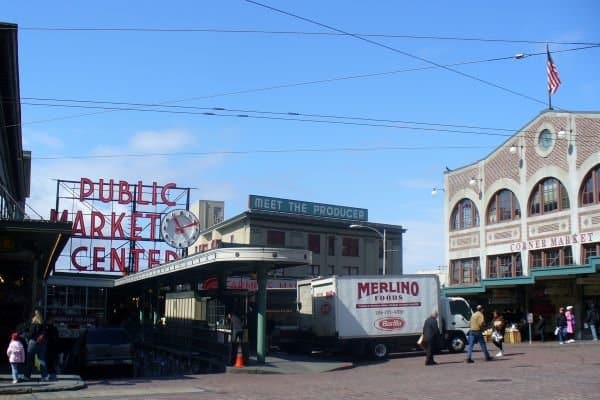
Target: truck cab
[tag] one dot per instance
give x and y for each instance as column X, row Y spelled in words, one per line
column 456, row 314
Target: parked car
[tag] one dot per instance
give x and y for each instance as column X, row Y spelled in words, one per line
column 98, row 347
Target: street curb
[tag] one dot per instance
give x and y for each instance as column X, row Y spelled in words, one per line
column 265, row 371
column 41, row 388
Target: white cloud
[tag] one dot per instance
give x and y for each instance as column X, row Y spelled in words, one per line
column 42, row 139
column 160, row 141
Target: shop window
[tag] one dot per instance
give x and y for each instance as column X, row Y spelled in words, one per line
column 549, row 195
column 314, row 243
column 589, row 193
column 589, row 250
column 503, row 206
column 350, row 270
column 331, row 245
column 332, row 270
column 464, row 215
column 464, row 271
column 504, row 266
column 553, row 257
column 276, row 238
column 349, row 247
column 315, row 270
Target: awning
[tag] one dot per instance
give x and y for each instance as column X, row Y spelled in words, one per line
column 23, row 241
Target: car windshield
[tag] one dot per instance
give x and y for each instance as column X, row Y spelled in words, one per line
column 107, row 336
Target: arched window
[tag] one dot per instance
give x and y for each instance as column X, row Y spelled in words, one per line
column 589, row 193
column 464, row 215
column 503, row 206
column 547, row 196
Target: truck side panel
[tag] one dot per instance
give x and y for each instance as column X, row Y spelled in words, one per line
column 384, row 305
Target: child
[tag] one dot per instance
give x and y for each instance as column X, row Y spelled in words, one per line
column 16, row 355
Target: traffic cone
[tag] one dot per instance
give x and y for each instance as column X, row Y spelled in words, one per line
column 239, row 358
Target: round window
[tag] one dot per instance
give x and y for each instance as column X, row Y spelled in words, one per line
column 545, row 140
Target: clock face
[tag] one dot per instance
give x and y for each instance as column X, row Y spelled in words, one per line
column 545, row 139
column 180, row 228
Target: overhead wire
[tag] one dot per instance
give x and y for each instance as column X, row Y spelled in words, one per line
column 264, row 151
column 283, row 32
column 405, row 53
column 281, row 86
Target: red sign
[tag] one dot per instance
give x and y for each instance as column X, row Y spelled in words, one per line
column 389, row 324
column 112, row 220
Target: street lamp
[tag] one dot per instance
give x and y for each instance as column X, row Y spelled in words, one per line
column 381, row 235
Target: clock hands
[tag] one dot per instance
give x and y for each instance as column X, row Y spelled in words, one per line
column 181, row 228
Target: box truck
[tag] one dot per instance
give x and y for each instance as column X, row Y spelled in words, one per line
column 373, row 315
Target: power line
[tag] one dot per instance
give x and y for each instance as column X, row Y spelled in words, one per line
column 211, row 109
column 287, row 118
column 306, row 83
column 313, row 118
column 264, row 151
column 281, row 113
column 375, row 43
column 296, row 33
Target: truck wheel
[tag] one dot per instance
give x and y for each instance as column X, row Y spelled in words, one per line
column 457, row 344
column 379, row 351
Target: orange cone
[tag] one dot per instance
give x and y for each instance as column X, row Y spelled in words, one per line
column 239, row 358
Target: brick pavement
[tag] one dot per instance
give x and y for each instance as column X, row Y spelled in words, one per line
column 538, row 371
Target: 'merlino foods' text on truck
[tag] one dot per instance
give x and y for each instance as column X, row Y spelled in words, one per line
column 374, row 315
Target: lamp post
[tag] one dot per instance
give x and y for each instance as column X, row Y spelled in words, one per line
column 381, row 235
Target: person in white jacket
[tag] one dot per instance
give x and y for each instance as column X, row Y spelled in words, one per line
column 16, row 355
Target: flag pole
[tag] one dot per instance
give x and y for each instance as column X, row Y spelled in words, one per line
column 549, row 100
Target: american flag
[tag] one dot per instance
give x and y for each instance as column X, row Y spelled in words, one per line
column 553, row 78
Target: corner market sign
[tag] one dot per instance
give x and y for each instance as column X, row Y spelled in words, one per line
column 262, row 203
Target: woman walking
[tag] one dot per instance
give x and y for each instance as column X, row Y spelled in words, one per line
column 561, row 326
column 36, row 346
column 570, row 324
column 498, row 332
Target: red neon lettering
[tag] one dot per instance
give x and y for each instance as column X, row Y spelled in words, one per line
column 116, row 260
column 136, row 258
column 152, row 261
column 125, row 194
column 116, row 225
column 140, row 193
column 64, row 216
column 134, row 228
column 154, row 222
column 101, row 190
column 78, row 225
column 74, row 255
column 98, row 257
column 170, row 255
column 163, row 194
column 83, row 192
column 96, row 230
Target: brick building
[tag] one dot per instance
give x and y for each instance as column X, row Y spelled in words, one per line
column 523, row 224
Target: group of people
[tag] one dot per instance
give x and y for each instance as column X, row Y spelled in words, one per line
column 565, row 331
column 28, row 346
column 565, row 323
column 477, row 325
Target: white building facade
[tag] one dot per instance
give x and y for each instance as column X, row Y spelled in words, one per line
column 523, row 224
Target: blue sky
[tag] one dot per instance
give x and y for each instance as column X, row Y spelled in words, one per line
column 395, row 184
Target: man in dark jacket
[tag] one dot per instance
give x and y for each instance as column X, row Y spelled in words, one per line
column 431, row 334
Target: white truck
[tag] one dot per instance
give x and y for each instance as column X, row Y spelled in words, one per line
column 373, row 315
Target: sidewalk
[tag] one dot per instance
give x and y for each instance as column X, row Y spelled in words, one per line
column 62, row 382
column 283, row 363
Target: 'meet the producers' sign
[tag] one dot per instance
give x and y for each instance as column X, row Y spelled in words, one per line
column 263, row 203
